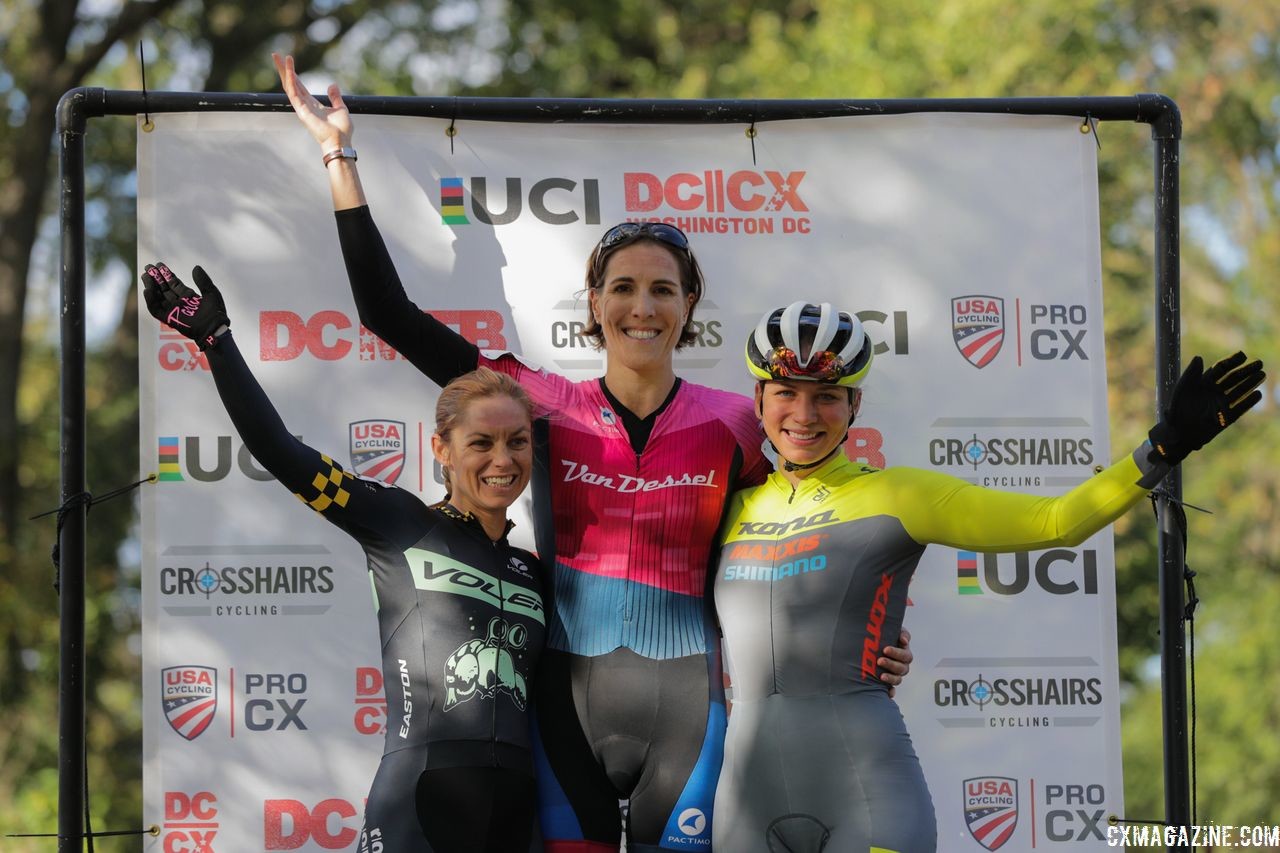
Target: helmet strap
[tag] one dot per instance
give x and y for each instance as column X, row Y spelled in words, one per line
column 788, row 465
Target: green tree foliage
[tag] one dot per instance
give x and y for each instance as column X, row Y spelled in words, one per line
column 47, row 48
column 1219, row 59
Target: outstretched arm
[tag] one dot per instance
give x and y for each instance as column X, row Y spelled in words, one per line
column 329, row 126
column 951, row 512
column 355, row 505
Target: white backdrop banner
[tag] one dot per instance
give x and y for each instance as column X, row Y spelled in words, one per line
column 968, row 244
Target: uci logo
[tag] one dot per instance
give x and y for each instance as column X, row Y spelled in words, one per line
column 692, row 822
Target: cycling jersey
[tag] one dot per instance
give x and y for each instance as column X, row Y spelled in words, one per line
column 627, row 537
column 811, row 585
column 462, row 625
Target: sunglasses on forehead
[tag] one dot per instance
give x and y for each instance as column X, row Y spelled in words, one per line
column 659, row 231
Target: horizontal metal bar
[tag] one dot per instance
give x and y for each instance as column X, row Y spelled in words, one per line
column 1147, row 108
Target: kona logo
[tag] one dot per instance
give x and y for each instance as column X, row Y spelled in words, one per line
column 773, row 528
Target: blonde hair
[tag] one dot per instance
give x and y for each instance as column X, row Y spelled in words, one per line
column 480, row 384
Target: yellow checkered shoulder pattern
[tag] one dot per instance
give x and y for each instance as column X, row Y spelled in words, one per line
column 328, row 486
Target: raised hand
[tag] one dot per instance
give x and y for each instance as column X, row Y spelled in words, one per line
column 1203, row 404
column 330, row 126
column 201, row 316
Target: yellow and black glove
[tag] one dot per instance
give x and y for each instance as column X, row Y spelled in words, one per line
column 1203, row 404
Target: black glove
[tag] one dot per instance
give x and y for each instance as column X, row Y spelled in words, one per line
column 199, row 316
column 1203, row 404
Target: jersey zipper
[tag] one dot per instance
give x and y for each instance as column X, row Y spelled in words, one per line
column 627, row 601
column 502, row 613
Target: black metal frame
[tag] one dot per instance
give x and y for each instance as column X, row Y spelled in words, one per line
column 79, row 105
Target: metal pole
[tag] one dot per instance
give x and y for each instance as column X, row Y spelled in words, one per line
column 1173, row 656
column 71, row 541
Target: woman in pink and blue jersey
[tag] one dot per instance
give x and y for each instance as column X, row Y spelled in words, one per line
column 632, row 478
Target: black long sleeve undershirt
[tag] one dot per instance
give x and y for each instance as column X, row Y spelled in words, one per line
column 387, row 311
column 367, row 509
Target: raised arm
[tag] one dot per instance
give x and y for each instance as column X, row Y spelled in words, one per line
column 362, row 508
column 387, row 311
column 384, row 307
column 331, row 128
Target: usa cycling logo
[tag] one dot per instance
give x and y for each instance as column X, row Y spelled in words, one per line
column 991, row 809
column 189, row 697
column 977, row 327
column 377, row 449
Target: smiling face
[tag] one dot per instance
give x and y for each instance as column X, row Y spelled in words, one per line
column 804, row 420
column 489, row 455
column 641, row 306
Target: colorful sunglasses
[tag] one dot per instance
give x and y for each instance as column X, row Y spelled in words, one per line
column 823, row 366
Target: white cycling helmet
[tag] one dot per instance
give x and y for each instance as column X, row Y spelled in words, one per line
column 810, row 342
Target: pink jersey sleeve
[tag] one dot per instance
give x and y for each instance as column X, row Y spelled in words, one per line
column 550, row 392
column 738, row 413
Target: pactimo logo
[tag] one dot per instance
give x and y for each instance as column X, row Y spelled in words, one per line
column 1057, row 571
column 555, row 201
column 332, row 335
column 260, row 584
column 1034, row 700
column 1006, row 450
column 689, row 830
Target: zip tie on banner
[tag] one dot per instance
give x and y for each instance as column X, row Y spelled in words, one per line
column 452, row 130
column 751, row 134
column 87, row 500
column 147, row 124
column 1090, row 125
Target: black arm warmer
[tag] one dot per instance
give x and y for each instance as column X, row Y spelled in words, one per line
column 365, row 511
column 431, row 346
